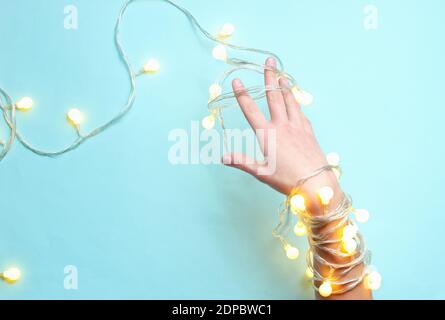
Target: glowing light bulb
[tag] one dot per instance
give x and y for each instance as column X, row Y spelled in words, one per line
column 12, row 275
column 227, row 30
column 215, row 91
column 152, row 66
column 220, row 52
column 24, row 104
column 325, row 289
column 309, row 274
column 292, row 252
column 349, row 245
column 303, row 98
column 209, row 122
column 373, row 281
column 300, row 229
column 361, row 215
column 325, row 194
column 349, row 232
column 75, row 117
column 333, row 159
column 297, row 201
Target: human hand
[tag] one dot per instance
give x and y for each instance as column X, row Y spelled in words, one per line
column 287, row 139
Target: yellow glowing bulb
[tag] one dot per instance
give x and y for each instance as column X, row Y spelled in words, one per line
column 12, row 275
column 24, row 104
column 333, row 159
column 361, row 215
column 75, row 117
column 209, row 122
column 300, row 229
column 349, row 232
column 349, row 246
column 309, row 273
column 152, row 66
column 373, row 281
column 227, row 30
column 303, row 98
column 325, row 194
column 325, row 289
column 292, row 252
column 215, row 91
column 220, row 52
column 297, row 201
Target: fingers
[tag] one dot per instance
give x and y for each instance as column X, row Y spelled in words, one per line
column 250, row 109
column 242, row 162
column 275, row 100
column 293, row 109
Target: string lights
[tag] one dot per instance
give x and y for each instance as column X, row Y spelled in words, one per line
column 292, row 252
column 218, row 99
column 152, row 66
column 11, row 275
column 226, row 31
column 350, row 244
column 24, row 104
column 336, row 236
column 75, row 117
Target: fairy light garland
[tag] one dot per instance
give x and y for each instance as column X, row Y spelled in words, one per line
column 337, row 237
column 11, row 275
column 218, row 101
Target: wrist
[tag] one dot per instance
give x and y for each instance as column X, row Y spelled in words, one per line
column 310, row 191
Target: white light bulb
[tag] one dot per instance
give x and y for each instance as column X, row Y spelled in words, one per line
column 325, row 289
column 227, row 30
column 215, row 91
column 75, row 117
column 303, row 98
column 349, row 246
column 325, row 194
column 309, row 273
column 24, row 104
column 300, row 229
column 292, row 252
column 333, row 159
column 349, row 232
column 152, row 66
column 220, row 52
column 297, row 201
column 209, row 122
column 361, row 215
column 373, row 281
column 12, row 274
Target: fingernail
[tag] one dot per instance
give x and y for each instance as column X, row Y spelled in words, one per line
column 227, row 159
column 270, row 62
column 238, row 83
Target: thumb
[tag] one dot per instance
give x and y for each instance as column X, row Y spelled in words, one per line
column 242, row 162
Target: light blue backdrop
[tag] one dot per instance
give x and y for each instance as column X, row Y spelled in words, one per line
column 136, row 226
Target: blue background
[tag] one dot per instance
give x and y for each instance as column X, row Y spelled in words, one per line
column 136, row 226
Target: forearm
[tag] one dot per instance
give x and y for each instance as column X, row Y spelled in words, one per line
column 309, row 190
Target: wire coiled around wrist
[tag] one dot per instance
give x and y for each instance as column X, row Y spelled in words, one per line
column 336, row 247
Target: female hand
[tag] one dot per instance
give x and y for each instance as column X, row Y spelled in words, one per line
column 287, row 140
